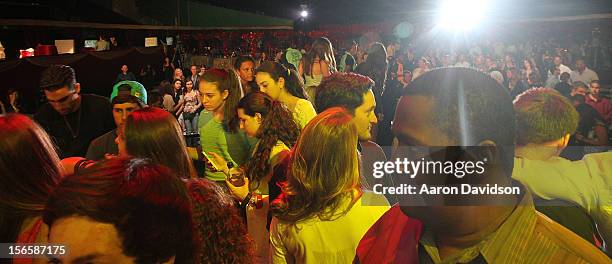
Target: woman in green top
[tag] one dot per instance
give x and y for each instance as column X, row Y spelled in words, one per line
column 272, row 123
column 218, row 123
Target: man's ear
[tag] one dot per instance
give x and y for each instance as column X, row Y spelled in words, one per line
column 77, row 88
column 487, row 149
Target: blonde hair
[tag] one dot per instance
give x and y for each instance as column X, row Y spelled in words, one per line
column 324, row 168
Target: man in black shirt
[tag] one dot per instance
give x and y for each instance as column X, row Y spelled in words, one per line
column 564, row 87
column 125, row 75
column 71, row 119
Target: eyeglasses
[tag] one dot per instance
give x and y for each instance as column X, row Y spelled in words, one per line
column 63, row 99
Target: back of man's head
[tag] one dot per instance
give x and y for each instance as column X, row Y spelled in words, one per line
column 146, row 204
column 56, row 77
column 342, row 89
column 543, row 115
column 468, row 107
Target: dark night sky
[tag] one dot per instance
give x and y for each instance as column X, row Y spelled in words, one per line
column 321, row 11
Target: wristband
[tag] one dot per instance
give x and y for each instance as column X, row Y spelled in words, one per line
column 246, row 200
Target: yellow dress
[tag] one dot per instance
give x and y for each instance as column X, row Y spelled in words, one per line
column 257, row 217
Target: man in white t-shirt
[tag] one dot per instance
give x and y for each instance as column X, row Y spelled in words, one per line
column 562, row 68
column 582, row 73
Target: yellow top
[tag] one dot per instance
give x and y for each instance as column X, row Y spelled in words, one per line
column 303, row 112
column 317, row 241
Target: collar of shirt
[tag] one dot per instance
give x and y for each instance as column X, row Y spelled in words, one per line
column 503, row 246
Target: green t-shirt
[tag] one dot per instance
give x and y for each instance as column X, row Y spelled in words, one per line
column 233, row 147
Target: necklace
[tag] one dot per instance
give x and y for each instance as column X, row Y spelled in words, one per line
column 74, row 133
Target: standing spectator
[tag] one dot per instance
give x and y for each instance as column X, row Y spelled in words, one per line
column 218, row 123
column 127, row 97
column 529, row 69
column 271, row 123
column 316, row 64
column 562, row 68
column 30, row 169
column 423, row 67
column 174, row 99
column 545, row 120
column 322, row 199
column 245, row 67
column 501, row 228
column 13, row 102
column 113, row 43
column 189, row 112
column 375, row 66
column 582, row 73
column 102, row 44
column 285, row 86
column 462, row 61
column 167, row 69
column 194, row 77
column 121, row 211
column 515, row 84
column 553, row 79
column 151, row 133
column 202, row 70
column 600, row 103
column 591, row 134
column 178, row 74
column 71, row 119
column 125, row 75
column 354, row 93
column 147, row 76
column 564, row 87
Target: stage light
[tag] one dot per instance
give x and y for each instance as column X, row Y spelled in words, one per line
column 304, row 14
column 464, row 15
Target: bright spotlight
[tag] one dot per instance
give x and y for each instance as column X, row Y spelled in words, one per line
column 304, row 13
column 461, row 15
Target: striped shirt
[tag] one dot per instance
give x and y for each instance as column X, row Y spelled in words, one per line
column 527, row 236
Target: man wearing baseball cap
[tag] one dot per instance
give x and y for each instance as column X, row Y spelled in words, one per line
column 127, row 96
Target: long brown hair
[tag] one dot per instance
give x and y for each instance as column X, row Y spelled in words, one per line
column 227, row 80
column 324, row 168
column 278, row 124
column 321, row 48
column 155, row 134
column 221, row 234
column 293, row 82
column 29, row 170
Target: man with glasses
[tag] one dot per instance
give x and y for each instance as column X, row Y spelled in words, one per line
column 71, row 119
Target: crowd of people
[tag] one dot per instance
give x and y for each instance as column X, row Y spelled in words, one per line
column 272, row 161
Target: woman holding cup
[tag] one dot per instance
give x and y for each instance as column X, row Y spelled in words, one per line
column 273, row 124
